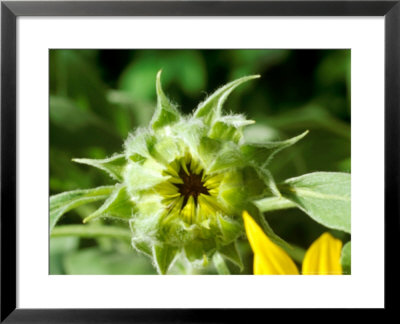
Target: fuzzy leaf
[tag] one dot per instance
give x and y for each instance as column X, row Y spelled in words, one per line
column 164, row 256
column 345, row 258
column 118, row 205
column 232, row 254
column 262, row 154
column 211, row 108
column 64, row 202
column 113, row 165
column 166, row 113
column 324, row 196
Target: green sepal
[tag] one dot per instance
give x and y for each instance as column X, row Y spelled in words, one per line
column 118, row 205
column 142, row 177
column 190, row 131
column 260, row 219
column 142, row 246
column 211, row 108
column 139, row 145
column 199, row 250
column 163, row 256
column 166, row 113
column 229, row 128
column 324, row 196
column 66, row 201
column 254, row 184
column 345, row 258
column 232, row 254
column 166, row 150
column 228, row 157
column 262, row 153
column 269, row 181
column 230, row 229
column 220, row 264
column 113, row 165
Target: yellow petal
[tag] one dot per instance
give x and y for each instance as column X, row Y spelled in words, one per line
column 323, row 257
column 269, row 258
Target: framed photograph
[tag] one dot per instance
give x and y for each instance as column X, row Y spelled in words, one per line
column 188, row 160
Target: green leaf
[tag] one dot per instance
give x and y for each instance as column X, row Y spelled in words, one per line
column 113, row 165
column 91, row 231
column 232, row 254
column 118, row 205
column 164, row 256
column 324, row 196
column 64, row 202
column 345, row 258
column 95, row 261
column 211, row 108
column 262, row 153
column 166, row 113
column 220, row 265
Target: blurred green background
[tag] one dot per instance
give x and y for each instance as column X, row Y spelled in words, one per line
column 98, row 96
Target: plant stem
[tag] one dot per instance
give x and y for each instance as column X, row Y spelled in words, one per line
column 90, row 231
column 273, row 203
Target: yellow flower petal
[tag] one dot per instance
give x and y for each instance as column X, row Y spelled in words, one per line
column 269, row 258
column 323, row 257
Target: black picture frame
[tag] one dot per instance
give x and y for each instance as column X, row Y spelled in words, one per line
column 11, row 10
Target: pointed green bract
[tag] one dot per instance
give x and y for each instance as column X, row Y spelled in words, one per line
column 324, row 196
column 269, row 181
column 166, row 113
column 117, row 205
column 211, row 108
column 164, row 256
column 262, row 154
column 113, row 165
column 220, row 264
column 229, row 128
column 66, row 201
column 232, row 254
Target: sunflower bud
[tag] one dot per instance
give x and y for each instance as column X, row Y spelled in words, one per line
column 185, row 180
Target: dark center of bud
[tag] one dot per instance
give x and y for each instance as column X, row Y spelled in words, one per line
column 191, row 186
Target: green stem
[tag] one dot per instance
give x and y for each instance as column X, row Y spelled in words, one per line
column 91, row 231
column 220, row 264
column 273, row 203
